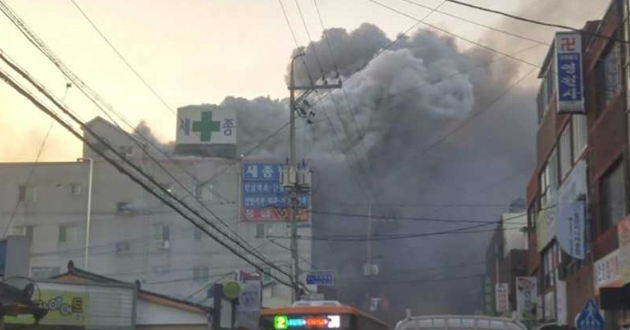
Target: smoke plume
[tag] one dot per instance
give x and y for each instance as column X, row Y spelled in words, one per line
column 383, row 140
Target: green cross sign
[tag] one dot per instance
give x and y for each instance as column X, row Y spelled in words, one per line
column 206, row 126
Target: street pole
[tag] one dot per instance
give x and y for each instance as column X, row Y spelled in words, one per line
column 295, row 185
column 369, row 239
column 89, row 212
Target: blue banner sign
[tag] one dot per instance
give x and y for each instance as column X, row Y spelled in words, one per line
column 262, row 196
column 320, row 278
column 569, row 72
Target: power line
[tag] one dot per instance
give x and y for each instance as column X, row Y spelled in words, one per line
column 468, row 120
column 455, row 35
column 101, row 104
column 122, row 58
column 119, row 167
column 28, row 179
column 334, row 62
column 362, row 238
column 532, row 21
column 424, row 280
column 286, row 18
column 419, row 219
column 476, row 23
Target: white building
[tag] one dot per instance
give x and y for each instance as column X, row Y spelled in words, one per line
column 134, row 236
column 514, row 237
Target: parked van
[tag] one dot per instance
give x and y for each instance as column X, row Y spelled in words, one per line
column 458, row 322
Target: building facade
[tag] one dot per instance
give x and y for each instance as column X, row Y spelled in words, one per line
column 505, row 262
column 582, row 162
column 133, row 235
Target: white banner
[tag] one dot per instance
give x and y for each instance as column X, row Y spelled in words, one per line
column 571, row 212
column 502, row 297
column 248, row 310
column 607, row 271
column 570, row 232
column 206, row 125
column 526, row 298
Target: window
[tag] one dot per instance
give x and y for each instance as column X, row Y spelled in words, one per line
column 613, row 197
column 101, row 145
column 27, row 193
column 547, row 90
column 68, row 234
column 75, row 189
column 549, row 181
column 565, row 151
column 162, row 233
column 122, row 248
column 608, row 76
column 580, row 135
column 203, row 192
column 200, row 274
column 26, row 231
column 260, row 230
column 161, row 270
column 124, row 207
column 44, row 272
column 125, row 150
column 266, row 276
column 198, row 234
column 552, row 261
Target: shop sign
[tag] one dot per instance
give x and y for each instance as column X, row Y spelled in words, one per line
column 64, row 308
column 623, row 230
column 526, row 299
column 607, row 271
column 502, row 297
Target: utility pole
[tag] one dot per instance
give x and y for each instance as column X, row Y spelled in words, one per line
column 89, row 212
column 293, row 177
column 369, row 238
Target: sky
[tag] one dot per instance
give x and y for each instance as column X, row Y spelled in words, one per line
column 201, row 51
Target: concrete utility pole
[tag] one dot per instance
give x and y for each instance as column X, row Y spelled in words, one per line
column 89, row 212
column 295, row 184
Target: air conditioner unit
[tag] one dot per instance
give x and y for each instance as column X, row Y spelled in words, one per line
column 164, row 245
column 17, row 231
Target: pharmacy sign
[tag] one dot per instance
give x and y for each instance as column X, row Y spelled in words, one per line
column 206, row 125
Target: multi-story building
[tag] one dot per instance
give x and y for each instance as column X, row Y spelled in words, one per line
column 505, row 261
column 133, row 235
column 582, row 159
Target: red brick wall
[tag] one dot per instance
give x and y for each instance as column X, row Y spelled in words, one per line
column 579, row 289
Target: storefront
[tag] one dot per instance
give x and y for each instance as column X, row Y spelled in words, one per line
column 612, row 280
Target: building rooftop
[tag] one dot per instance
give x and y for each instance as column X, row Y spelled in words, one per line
column 75, row 274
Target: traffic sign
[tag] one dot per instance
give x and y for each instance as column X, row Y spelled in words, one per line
column 590, row 318
column 320, row 278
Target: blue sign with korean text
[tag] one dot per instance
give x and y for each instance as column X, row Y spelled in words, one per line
column 590, row 318
column 320, row 278
column 569, row 72
column 262, row 195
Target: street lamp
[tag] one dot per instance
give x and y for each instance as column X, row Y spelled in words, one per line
column 89, row 211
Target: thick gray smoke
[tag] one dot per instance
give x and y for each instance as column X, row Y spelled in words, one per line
column 381, row 139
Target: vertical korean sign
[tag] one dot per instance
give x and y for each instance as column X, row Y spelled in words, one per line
column 264, row 199
column 569, row 72
column 502, row 297
column 526, row 298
